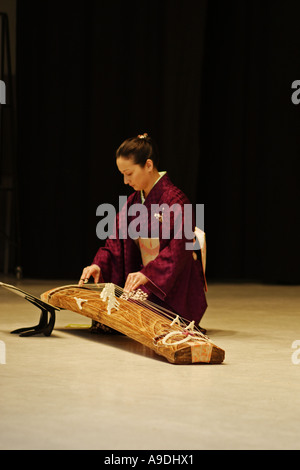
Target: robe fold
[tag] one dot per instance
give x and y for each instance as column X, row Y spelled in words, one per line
column 175, row 277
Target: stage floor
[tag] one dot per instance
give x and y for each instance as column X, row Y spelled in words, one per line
column 76, row 390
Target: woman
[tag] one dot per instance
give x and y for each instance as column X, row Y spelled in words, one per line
column 161, row 266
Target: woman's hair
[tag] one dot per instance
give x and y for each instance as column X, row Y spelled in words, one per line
column 139, row 148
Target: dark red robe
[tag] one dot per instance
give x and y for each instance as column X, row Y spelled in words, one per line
column 175, row 278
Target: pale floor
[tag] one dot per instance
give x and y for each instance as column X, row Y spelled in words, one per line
column 75, row 390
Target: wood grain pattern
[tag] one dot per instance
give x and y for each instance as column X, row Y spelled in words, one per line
column 137, row 322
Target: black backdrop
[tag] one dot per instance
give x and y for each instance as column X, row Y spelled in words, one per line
column 209, row 80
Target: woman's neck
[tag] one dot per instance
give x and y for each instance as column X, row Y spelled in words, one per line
column 152, row 181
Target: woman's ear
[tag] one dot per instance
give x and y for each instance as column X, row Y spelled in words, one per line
column 149, row 164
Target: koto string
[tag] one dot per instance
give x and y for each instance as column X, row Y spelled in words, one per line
column 150, row 309
column 151, row 306
column 147, row 304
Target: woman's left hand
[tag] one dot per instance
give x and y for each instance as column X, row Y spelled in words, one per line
column 134, row 280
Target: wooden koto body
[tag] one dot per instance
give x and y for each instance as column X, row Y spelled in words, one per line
column 139, row 321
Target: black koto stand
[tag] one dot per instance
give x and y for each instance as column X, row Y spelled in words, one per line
column 47, row 317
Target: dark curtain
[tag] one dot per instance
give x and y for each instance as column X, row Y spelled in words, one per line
column 210, row 81
column 251, row 141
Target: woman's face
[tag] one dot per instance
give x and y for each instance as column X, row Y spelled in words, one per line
column 137, row 177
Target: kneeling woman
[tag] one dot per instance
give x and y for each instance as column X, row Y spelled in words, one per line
column 162, row 266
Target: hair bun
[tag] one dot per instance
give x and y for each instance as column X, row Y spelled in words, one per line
column 143, row 136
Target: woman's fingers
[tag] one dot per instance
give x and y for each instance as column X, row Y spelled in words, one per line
column 128, row 284
column 97, row 276
column 83, row 278
column 87, row 272
column 134, row 280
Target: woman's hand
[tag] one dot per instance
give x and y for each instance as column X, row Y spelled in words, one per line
column 89, row 271
column 134, row 280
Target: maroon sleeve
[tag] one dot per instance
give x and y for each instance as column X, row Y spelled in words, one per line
column 110, row 258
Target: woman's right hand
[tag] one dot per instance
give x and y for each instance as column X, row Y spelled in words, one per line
column 89, row 271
